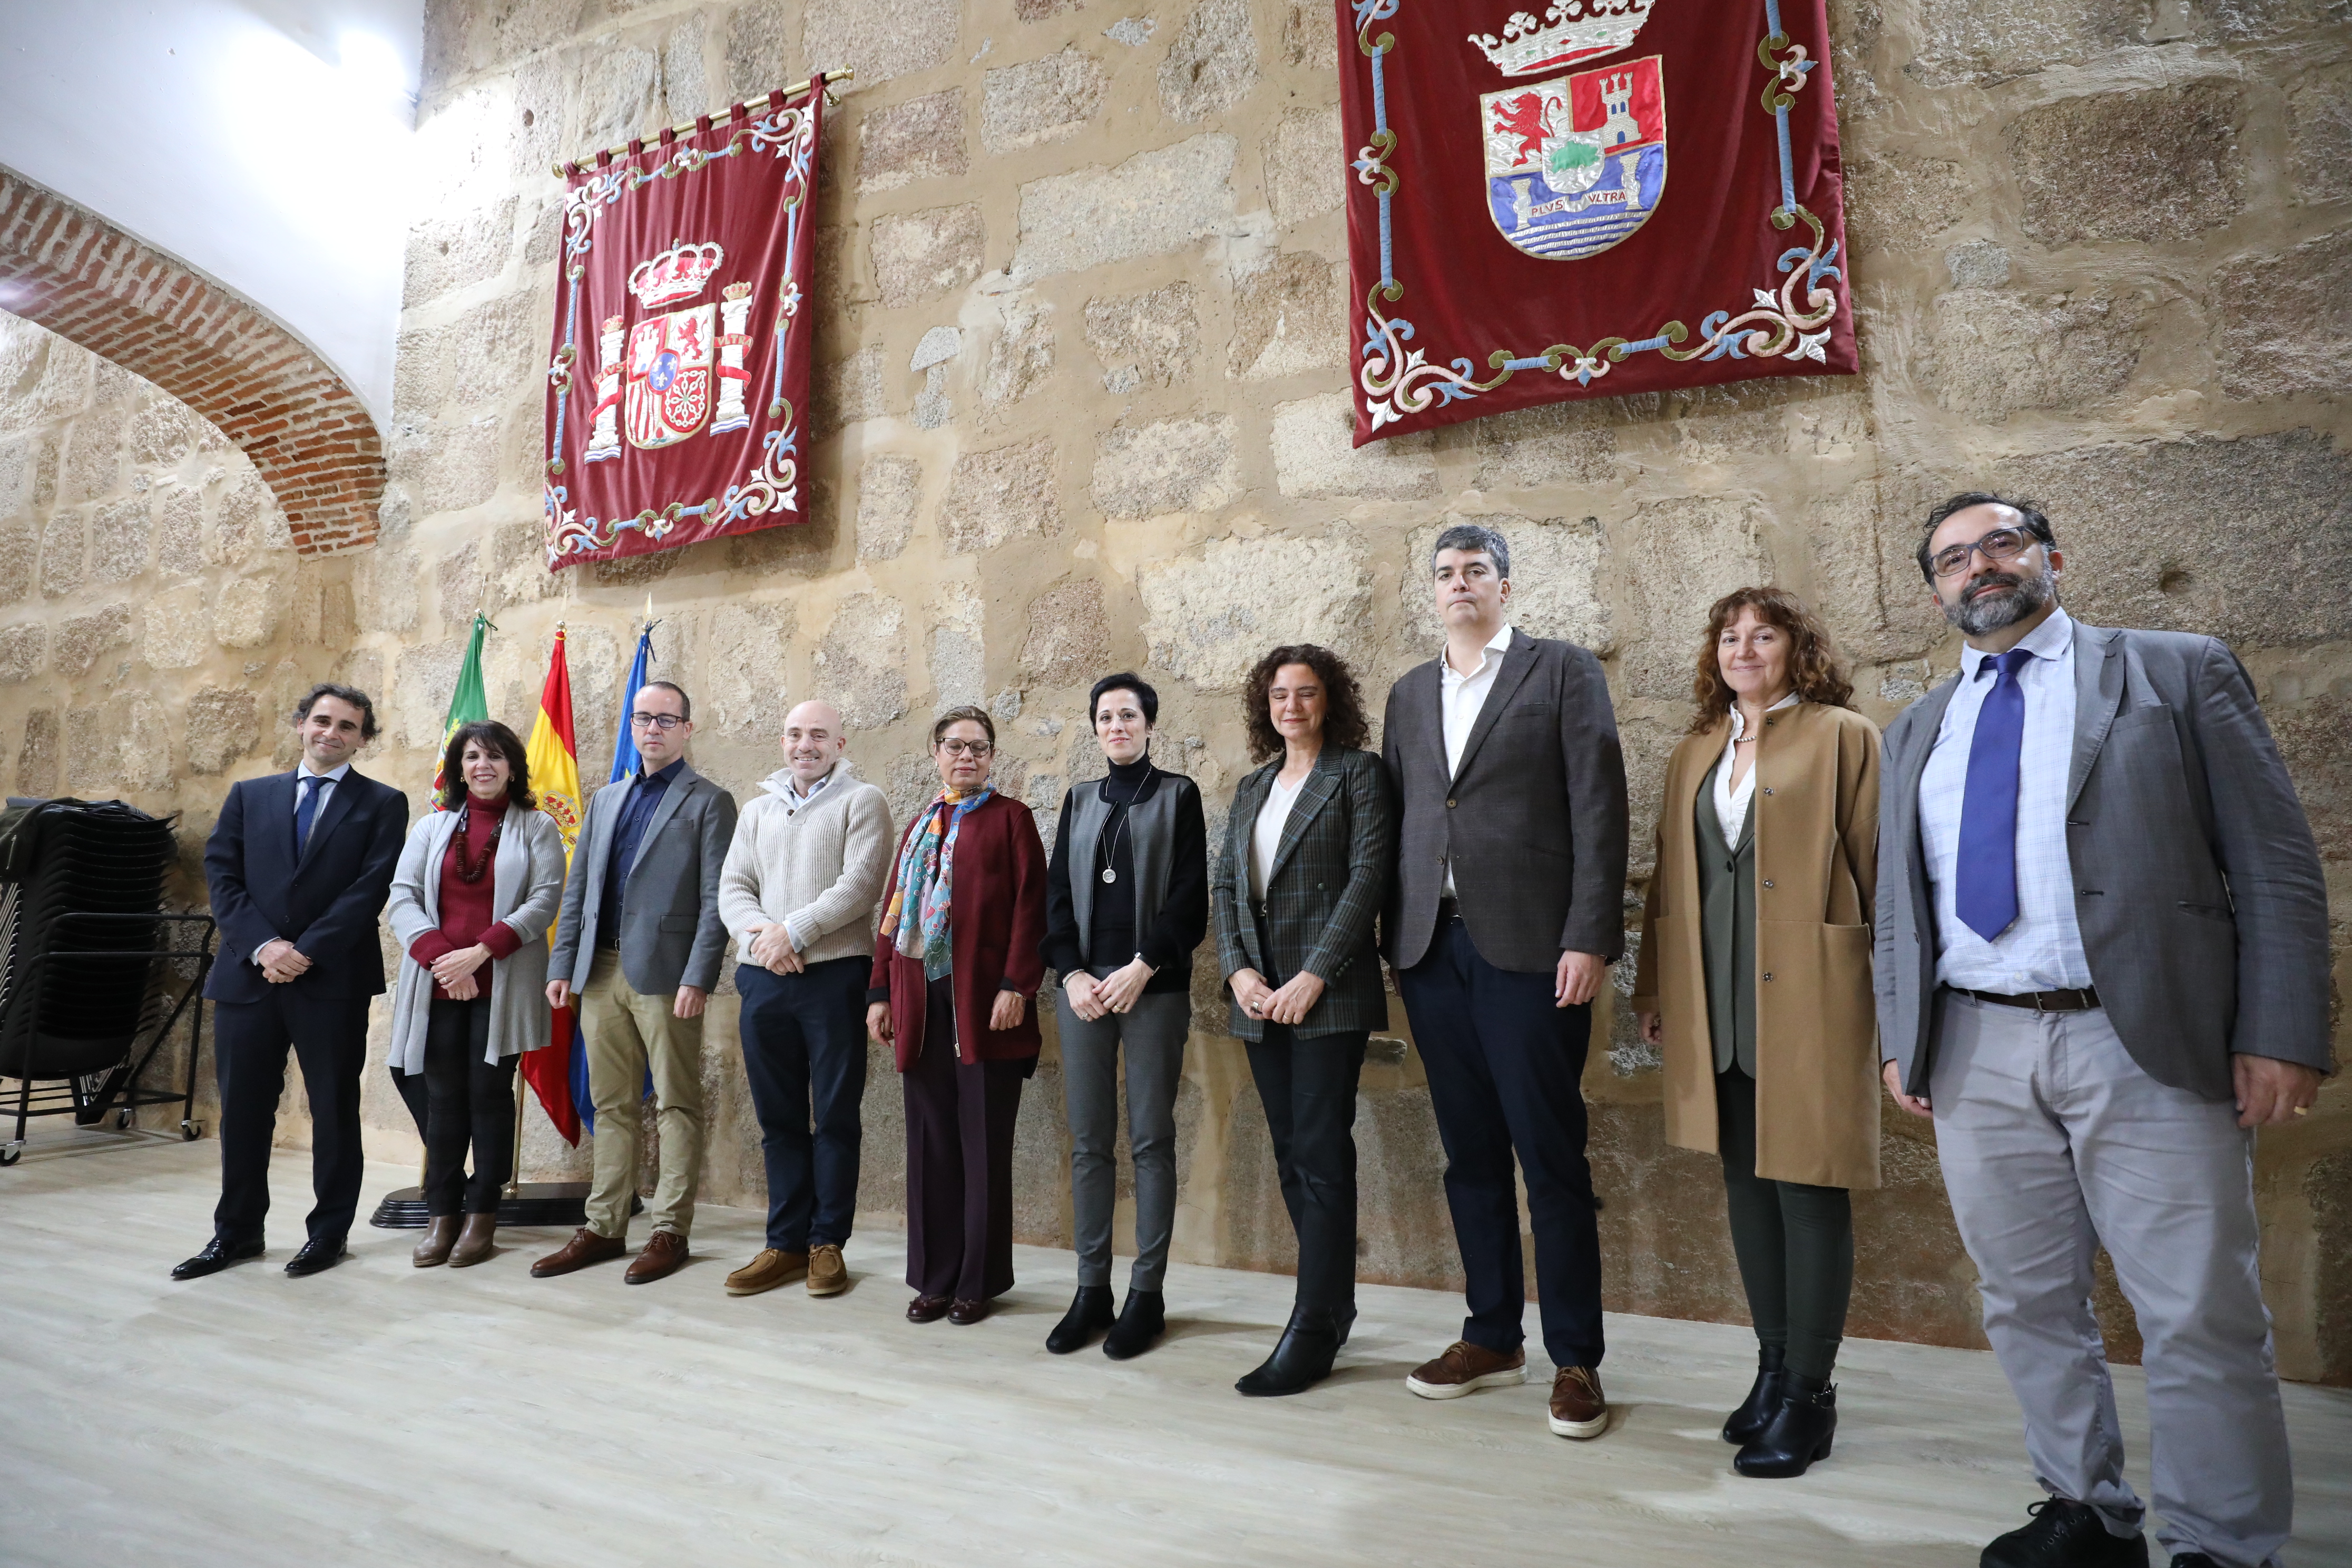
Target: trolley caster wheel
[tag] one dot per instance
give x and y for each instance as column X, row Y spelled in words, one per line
column 191, row 1131
column 123, row 1120
column 10, row 1152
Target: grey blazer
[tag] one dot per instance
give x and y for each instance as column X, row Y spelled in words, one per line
column 2196, row 883
column 526, row 881
column 1533, row 820
column 671, row 934
column 1329, row 878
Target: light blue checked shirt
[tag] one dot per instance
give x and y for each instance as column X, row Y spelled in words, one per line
column 2042, row 948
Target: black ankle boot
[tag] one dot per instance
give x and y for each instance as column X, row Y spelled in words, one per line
column 1345, row 1317
column 1140, row 1323
column 1754, row 1411
column 1303, row 1359
column 1798, row 1434
column 1090, row 1313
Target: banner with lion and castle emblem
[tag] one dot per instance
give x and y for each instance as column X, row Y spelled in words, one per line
column 1612, row 196
column 678, row 386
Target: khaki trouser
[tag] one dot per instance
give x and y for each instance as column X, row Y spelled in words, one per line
column 627, row 1035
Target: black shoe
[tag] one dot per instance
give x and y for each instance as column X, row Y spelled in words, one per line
column 2193, row 1559
column 217, row 1255
column 1140, row 1323
column 1798, row 1432
column 1090, row 1313
column 318, row 1254
column 2064, row 1535
column 1310, row 1344
column 1754, row 1411
column 1347, row 1316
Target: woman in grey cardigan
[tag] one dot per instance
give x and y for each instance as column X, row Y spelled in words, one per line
column 474, row 892
column 1309, row 850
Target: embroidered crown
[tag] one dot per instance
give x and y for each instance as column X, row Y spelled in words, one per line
column 1571, row 30
column 678, row 273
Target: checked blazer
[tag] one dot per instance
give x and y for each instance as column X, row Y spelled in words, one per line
column 1329, row 878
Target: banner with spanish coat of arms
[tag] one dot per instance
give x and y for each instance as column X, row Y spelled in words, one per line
column 677, row 387
column 1612, row 196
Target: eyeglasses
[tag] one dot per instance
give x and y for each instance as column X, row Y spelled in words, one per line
column 2000, row 544
column 656, row 721
column 966, row 748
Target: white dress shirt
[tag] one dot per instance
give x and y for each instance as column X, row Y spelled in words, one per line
column 1731, row 804
column 333, row 777
column 2042, row 948
column 1266, row 833
column 1460, row 699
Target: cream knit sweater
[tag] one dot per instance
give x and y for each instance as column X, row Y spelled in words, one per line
column 817, row 866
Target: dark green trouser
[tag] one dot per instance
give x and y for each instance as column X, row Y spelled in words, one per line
column 1795, row 1243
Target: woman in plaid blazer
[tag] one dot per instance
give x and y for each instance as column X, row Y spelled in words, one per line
column 1303, row 868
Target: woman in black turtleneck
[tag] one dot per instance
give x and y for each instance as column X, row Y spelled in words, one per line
column 1127, row 901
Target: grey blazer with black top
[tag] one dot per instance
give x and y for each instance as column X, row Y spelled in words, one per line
column 671, row 934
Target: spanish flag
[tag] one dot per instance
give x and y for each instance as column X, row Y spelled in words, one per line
column 554, row 759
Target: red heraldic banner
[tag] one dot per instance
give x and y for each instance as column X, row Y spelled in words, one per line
column 1614, row 196
column 678, row 393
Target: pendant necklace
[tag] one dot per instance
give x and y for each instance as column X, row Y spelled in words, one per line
column 1108, row 873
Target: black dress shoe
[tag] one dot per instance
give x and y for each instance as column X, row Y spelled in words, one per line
column 1090, row 1313
column 1754, row 1411
column 318, row 1254
column 2064, row 1535
column 1140, row 1323
column 1798, row 1432
column 217, row 1256
column 2193, row 1559
column 1310, row 1344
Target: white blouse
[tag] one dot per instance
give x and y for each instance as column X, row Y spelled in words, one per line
column 1266, row 834
column 1731, row 805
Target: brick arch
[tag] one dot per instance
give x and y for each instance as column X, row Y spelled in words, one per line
column 86, row 280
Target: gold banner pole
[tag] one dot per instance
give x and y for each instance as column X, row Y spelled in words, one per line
column 822, row 78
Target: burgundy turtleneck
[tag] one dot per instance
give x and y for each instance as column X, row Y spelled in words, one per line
column 466, row 906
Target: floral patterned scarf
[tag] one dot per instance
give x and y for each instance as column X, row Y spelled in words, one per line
column 917, row 914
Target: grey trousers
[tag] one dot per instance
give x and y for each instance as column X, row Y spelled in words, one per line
column 1153, row 1032
column 2053, row 1141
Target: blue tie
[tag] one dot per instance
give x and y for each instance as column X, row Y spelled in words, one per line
column 1986, row 895
column 306, row 811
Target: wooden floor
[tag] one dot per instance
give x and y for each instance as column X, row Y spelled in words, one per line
column 381, row 1414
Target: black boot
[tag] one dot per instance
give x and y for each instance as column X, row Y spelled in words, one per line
column 1763, row 1398
column 1140, row 1323
column 1798, row 1434
column 1310, row 1344
column 1346, row 1320
column 1090, row 1313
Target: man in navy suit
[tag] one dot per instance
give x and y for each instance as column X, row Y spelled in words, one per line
column 299, row 866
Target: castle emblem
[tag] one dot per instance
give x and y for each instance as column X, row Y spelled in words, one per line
column 678, row 273
column 1576, row 164
column 669, row 389
column 1571, row 30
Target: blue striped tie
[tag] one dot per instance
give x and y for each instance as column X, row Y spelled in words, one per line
column 1986, row 894
column 306, row 811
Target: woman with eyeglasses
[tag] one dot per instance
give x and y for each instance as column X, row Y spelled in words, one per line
column 955, row 966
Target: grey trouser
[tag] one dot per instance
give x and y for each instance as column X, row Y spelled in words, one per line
column 1153, row 1032
column 2053, row 1141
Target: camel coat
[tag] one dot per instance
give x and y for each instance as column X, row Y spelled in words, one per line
column 1815, row 814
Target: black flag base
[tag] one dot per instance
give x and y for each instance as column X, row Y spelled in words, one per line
column 553, row 1205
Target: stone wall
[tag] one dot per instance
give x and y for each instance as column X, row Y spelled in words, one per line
column 1081, row 403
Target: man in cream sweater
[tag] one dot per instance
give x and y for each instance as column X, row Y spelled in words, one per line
column 809, row 860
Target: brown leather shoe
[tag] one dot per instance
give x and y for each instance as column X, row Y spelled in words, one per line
column 963, row 1314
column 433, row 1248
column 1466, row 1368
column 773, row 1268
column 476, row 1241
column 828, row 1274
column 664, row 1253
column 927, row 1308
column 585, row 1249
column 1578, row 1409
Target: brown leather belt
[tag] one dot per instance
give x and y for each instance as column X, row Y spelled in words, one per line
column 2081, row 1000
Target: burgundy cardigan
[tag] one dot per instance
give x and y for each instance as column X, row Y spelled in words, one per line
column 993, row 929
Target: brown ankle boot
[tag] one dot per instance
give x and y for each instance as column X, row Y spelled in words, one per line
column 476, row 1241
column 440, row 1235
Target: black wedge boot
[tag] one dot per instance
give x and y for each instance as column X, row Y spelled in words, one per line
column 1754, row 1411
column 1798, row 1434
column 1141, row 1320
column 1310, row 1344
column 1090, row 1313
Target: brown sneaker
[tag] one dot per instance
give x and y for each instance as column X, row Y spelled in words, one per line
column 585, row 1249
column 664, row 1255
column 1578, row 1409
column 773, row 1268
column 1466, row 1368
column 828, row 1274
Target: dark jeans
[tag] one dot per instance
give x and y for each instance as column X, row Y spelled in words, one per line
column 1795, row 1242
column 960, row 1122
column 803, row 1040
column 467, row 1100
column 1309, row 1088
column 329, row 1036
column 1505, row 1071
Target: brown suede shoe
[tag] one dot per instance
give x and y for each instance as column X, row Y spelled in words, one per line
column 433, row 1248
column 1578, row 1409
column 828, row 1274
column 664, row 1253
column 1466, row 1368
column 476, row 1241
column 585, row 1249
column 771, row 1268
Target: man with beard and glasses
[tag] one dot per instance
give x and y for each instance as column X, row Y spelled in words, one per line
column 2102, row 961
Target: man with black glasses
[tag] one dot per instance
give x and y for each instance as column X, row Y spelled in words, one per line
column 639, row 942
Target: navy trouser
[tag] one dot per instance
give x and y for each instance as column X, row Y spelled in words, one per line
column 804, row 1045
column 329, row 1036
column 1505, row 1069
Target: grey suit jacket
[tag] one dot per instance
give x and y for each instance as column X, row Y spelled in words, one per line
column 2196, row 883
column 671, row 934
column 1533, row 820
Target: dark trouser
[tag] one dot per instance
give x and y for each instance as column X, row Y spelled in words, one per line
column 1505, row 1071
column 1309, row 1088
column 329, row 1035
column 804, row 1040
column 1795, row 1243
column 960, row 1122
column 468, row 1101
column 1153, row 1033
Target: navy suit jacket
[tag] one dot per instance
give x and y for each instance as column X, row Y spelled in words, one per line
column 325, row 903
